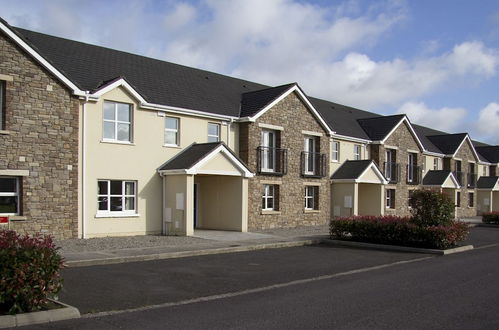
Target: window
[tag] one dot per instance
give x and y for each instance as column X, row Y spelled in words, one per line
column 436, row 164
column 213, row 132
column 390, row 165
column 270, row 197
column 356, row 152
column 172, row 131
column 485, row 170
column 335, row 155
column 309, row 149
column 410, row 202
column 471, row 199
column 412, row 160
column 311, row 198
column 117, row 122
column 116, row 196
column 268, row 151
column 390, row 198
column 9, row 195
column 458, row 199
column 2, row 104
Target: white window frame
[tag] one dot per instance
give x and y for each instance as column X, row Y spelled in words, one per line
column 174, row 130
column 123, row 198
column 436, row 164
column 310, row 147
column 390, row 194
column 335, row 153
column 389, row 168
column 410, row 166
column 357, row 153
column 310, row 192
column 268, row 195
column 485, row 170
column 13, row 194
column 215, row 137
column 2, row 104
column 116, row 122
column 269, row 152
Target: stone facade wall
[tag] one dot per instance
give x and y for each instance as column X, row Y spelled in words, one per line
column 42, row 137
column 465, row 154
column 403, row 140
column 293, row 116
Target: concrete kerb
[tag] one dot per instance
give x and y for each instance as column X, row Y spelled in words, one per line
column 66, row 312
column 396, row 247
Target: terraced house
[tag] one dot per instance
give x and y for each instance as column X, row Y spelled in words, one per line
column 98, row 142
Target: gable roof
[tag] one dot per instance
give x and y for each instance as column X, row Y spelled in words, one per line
column 353, row 170
column 447, row 143
column 489, row 153
column 487, row 182
column 377, row 128
column 254, row 102
column 438, row 178
column 188, row 160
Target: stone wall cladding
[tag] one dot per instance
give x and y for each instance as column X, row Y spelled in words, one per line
column 466, row 155
column 43, row 138
column 293, row 116
column 403, row 140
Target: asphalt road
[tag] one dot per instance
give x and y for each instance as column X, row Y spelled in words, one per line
column 308, row 287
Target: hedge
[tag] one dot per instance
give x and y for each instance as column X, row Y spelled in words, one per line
column 29, row 272
column 490, row 217
column 394, row 230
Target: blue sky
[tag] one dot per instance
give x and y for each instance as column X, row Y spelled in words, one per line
column 437, row 61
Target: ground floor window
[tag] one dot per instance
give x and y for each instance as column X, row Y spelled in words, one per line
column 311, row 198
column 410, row 202
column 471, row 199
column 9, row 195
column 390, row 198
column 117, row 196
column 270, row 197
column 458, row 199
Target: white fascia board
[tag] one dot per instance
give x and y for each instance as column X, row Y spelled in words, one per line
column 118, row 83
column 414, row 135
column 41, row 60
column 304, row 98
column 376, row 171
column 350, row 138
column 245, row 120
column 431, row 153
column 221, row 149
column 172, row 172
column 467, row 137
column 454, row 180
column 184, row 111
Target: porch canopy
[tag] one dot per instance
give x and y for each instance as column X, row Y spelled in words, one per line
column 487, row 194
column 205, row 186
column 357, row 189
column 443, row 179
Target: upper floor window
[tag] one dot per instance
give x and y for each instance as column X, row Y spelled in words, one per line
column 2, row 104
column 9, row 195
column 412, row 167
column 309, row 152
column 116, row 196
column 172, row 136
column 117, row 121
column 335, row 154
column 485, row 170
column 356, row 152
column 436, row 164
column 390, row 166
column 268, row 150
column 213, row 132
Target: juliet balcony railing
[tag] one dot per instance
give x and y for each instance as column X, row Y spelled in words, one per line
column 313, row 164
column 413, row 174
column 471, row 180
column 391, row 172
column 459, row 177
column 272, row 161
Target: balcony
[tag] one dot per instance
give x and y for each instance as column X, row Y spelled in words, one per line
column 459, row 177
column 272, row 161
column 413, row 174
column 313, row 164
column 471, row 179
column 391, row 172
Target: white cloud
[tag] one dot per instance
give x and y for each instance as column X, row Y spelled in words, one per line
column 444, row 119
column 487, row 125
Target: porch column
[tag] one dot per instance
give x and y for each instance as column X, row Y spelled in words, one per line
column 178, row 205
column 244, row 205
column 355, row 199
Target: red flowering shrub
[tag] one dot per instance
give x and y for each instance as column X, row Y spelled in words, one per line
column 29, row 272
column 398, row 231
column 490, row 217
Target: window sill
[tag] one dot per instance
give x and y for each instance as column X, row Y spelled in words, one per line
column 118, row 142
column 334, row 161
column 117, row 215
column 4, row 132
column 270, row 212
column 311, row 211
column 17, row 218
column 174, row 146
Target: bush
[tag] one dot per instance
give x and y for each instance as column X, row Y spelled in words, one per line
column 398, row 231
column 490, row 217
column 29, row 272
column 430, row 208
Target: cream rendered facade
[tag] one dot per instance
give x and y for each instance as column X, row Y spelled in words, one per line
column 136, row 161
column 346, row 152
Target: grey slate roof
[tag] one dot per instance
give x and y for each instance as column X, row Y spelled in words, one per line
column 447, row 143
column 489, row 153
column 423, row 132
column 190, row 156
column 487, row 182
column 377, row 128
column 351, row 169
column 435, row 178
column 253, row 102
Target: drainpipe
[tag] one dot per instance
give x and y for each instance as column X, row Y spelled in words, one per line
column 83, row 169
column 228, row 132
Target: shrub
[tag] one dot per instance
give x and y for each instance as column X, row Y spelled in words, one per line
column 398, row 231
column 431, row 208
column 490, row 217
column 29, row 272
